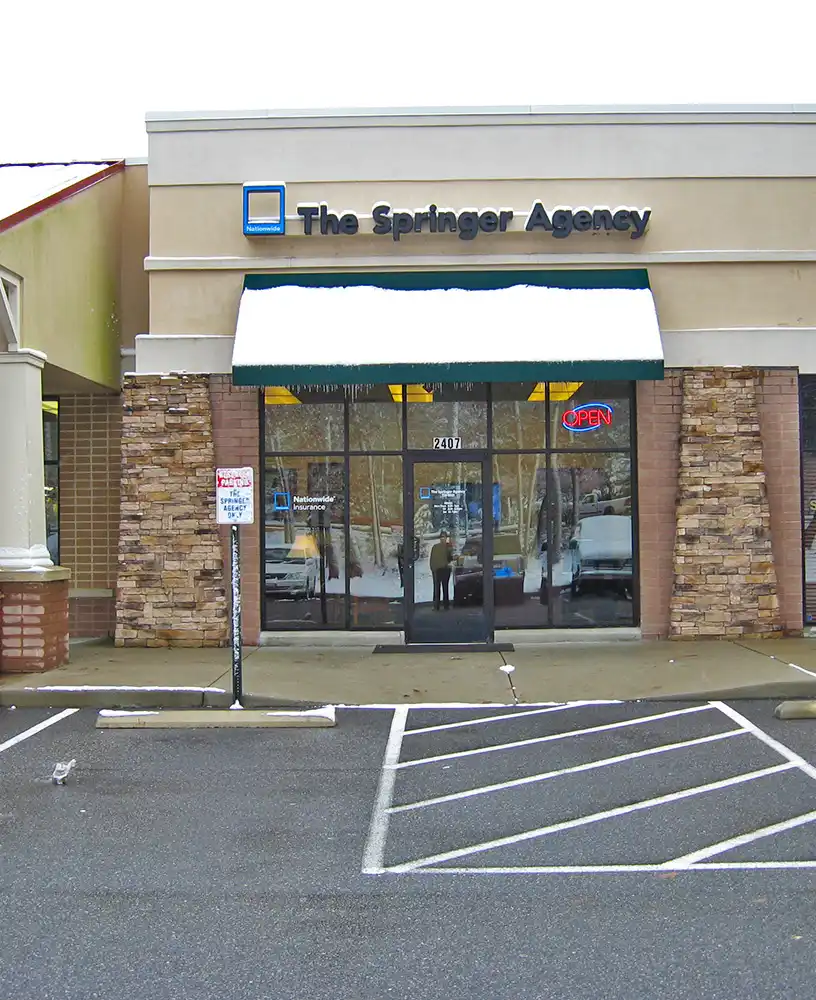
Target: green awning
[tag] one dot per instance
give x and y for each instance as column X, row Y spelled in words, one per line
column 363, row 334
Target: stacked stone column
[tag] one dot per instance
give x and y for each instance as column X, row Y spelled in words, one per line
column 170, row 583
column 724, row 577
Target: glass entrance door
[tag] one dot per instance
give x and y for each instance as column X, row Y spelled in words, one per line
column 448, row 548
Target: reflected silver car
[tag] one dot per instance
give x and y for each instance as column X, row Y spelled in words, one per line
column 602, row 552
column 289, row 572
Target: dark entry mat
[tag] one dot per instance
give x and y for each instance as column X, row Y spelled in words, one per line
column 448, row 647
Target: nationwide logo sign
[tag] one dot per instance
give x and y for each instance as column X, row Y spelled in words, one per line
column 265, row 215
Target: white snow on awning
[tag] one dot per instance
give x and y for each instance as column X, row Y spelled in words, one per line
column 23, row 186
column 364, row 334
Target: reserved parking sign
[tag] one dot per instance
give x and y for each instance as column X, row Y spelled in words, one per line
column 234, row 496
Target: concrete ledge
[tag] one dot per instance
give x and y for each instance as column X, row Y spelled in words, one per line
column 45, row 574
column 318, row 639
column 796, row 710
column 210, row 718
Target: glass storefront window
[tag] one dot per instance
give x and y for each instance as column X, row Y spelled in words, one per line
column 304, row 558
column 557, row 501
column 303, row 419
column 519, row 416
column 376, row 541
column 455, row 411
column 375, row 419
column 590, row 414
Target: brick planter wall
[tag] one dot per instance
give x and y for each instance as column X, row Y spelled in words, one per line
column 725, row 581
column 170, row 584
column 33, row 626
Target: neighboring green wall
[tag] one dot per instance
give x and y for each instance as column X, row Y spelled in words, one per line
column 69, row 259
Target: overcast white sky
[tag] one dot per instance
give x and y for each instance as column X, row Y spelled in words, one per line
column 77, row 77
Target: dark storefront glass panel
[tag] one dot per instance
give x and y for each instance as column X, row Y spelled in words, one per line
column 52, row 512
column 807, row 394
column 50, row 416
column 448, row 411
column 519, row 416
column 304, row 542
column 375, row 419
column 590, row 414
column 303, row 419
column 590, row 541
column 519, row 536
column 376, row 555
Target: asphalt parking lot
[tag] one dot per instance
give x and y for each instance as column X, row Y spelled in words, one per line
column 615, row 850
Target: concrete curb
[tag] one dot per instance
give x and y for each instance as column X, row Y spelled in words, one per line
column 796, row 710
column 214, row 718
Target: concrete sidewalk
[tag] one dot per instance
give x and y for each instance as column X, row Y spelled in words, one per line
column 102, row 676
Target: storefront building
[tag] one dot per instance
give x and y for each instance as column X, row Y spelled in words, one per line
column 494, row 370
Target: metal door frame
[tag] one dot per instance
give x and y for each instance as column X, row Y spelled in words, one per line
column 480, row 457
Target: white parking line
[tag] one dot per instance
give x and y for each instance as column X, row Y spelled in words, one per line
column 612, row 869
column 592, row 765
column 378, row 830
column 690, row 860
column 38, row 728
column 554, row 736
column 571, row 824
column 499, row 718
column 760, row 734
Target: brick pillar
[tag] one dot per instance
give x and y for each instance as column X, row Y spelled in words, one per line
column 658, row 458
column 33, row 621
column 779, row 420
column 170, row 586
column 724, row 577
column 237, row 438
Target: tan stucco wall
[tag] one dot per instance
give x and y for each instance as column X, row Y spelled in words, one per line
column 134, row 298
column 688, row 297
column 68, row 257
column 687, row 214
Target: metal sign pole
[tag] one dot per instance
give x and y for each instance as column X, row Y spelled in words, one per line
column 235, row 567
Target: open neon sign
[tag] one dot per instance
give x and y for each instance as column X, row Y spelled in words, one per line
column 587, row 417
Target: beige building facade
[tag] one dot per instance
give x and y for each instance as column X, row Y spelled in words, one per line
column 495, row 370
column 720, row 228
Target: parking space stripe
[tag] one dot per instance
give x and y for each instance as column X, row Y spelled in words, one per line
column 571, row 824
column 37, row 729
column 562, row 706
column 612, row 869
column 554, row 736
column 591, row 765
column 378, row 830
column 760, row 734
column 690, row 860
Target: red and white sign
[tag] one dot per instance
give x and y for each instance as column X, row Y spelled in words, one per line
column 235, row 496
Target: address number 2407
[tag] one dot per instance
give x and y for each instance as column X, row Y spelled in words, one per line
column 447, row 443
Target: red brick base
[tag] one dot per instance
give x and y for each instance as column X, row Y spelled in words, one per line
column 33, row 626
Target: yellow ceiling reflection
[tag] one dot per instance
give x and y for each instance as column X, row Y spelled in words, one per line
column 416, row 394
column 277, row 395
column 559, row 391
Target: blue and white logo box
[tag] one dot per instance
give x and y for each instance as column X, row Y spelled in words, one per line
column 264, row 209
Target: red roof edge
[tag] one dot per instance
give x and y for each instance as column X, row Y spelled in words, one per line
column 59, row 196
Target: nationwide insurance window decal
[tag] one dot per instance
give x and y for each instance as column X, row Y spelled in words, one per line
column 265, row 215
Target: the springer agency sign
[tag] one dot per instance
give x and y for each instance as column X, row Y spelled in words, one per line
column 265, row 215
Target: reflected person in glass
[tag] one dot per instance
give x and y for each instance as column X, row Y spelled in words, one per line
column 440, row 561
